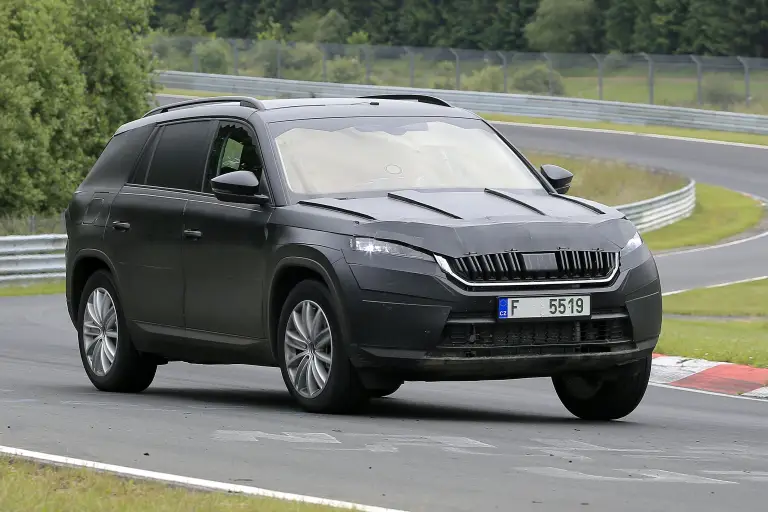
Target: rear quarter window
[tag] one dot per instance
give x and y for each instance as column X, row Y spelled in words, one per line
column 115, row 164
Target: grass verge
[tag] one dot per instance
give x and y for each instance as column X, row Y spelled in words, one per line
column 720, row 213
column 735, row 341
column 736, row 300
column 745, row 138
column 43, row 288
column 610, row 182
column 29, row 486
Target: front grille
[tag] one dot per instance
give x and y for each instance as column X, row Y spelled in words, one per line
column 538, row 337
column 548, row 266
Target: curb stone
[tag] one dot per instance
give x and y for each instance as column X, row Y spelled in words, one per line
column 711, row 376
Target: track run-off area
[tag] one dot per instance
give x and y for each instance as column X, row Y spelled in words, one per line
column 507, row 445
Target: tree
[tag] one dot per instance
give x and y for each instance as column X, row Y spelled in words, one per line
column 620, row 25
column 72, row 71
column 42, row 105
column 563, row 26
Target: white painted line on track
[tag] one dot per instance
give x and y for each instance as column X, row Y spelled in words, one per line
column 186, row 481
column 711, row 393
column 718, row 285
column 638, row 134
column 711, row 247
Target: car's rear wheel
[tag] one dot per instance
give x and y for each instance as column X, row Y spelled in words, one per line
column 310, row 351
column 109, row 358
column 605, row 396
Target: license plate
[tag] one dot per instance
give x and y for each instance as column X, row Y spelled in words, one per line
column 544, row 307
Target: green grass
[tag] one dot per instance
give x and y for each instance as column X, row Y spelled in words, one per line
column 610, row 182
column 26, row 486
column 744, row 138
column 743, row 299
column 740, row 342
column 43, row 288
column 720, row 213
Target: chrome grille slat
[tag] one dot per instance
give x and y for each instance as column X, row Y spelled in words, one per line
column 510, row 267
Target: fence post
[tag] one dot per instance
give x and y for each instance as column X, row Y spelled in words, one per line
column 747, row 93
column 651, row 80
column 550, row 68
column 235, row 56
column 367, row 53
column 458, row 69
column 325, row 62
column 698, row 78
column 599, row 75
column 504, row 67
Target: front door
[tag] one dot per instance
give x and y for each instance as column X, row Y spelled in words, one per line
column 224, row 249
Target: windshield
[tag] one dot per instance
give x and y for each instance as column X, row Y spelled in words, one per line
column 365, row 154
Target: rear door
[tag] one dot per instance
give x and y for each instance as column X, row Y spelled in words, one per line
column 224, row 252
column 144, row 231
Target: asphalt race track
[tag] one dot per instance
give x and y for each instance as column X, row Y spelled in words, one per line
column 438, row 447
column 744, row 169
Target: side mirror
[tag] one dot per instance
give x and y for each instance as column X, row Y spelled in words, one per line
column 238, row 187
column 559, row 178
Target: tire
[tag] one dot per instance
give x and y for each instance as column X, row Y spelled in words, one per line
column 342, row 391
column 382, row 392
column 605, row 396
column 129, row 372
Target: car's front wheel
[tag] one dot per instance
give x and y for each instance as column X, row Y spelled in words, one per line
column 310, row 351
column 109, row 358
column 605, row 396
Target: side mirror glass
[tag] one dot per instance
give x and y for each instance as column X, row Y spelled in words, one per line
column 559, row 178
column 238, row 187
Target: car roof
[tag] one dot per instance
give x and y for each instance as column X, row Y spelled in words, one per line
column 300, row 108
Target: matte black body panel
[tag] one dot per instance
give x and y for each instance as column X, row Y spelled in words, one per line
column 224, row 268
column 147, row 256
column 199, row 277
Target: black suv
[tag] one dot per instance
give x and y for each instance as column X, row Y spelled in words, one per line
column 356, row 243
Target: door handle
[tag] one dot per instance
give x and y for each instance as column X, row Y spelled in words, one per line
column 192, row 234
column 121, row 226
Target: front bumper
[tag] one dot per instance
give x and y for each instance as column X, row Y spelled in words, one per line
column 411, row 321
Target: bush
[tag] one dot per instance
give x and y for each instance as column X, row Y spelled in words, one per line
column 539, row 80
column 346, row 70
column 718, row 91
column 215, row 56
column 71, row 72
column 487, row 79
column 445, row 76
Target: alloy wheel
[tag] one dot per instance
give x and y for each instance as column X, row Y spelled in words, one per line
column 308, row 349
column 100, row 331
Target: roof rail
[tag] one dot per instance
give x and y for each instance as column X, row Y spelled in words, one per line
column 423, row 98
column 244, row 101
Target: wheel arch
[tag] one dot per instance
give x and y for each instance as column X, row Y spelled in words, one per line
column 288, row 272
column 86, row 263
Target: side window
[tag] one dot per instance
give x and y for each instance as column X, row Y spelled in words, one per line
column 179, row 160
column 233, row 150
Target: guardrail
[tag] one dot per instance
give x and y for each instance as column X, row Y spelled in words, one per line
column 487, row 102
column 32, row 258
column 40, row 257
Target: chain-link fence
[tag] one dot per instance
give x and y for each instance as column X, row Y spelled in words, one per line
column 722, row 83
column 32, row 224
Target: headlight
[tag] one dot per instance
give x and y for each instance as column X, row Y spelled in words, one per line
column 373, row 246
column 634, row 242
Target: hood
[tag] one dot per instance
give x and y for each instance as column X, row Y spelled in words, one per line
column 481, row 222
